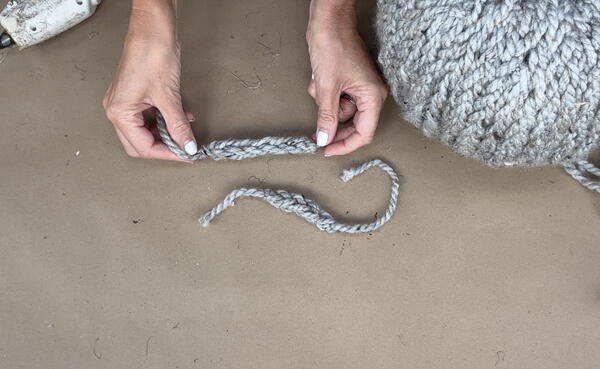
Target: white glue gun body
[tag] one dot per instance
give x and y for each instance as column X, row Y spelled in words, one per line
column 29, row 22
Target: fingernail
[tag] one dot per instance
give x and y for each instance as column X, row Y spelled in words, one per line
column 322, row 137
column 327, row 155
column 191, row 147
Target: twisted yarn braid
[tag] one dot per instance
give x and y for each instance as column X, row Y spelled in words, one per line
column 582, row 171
column 290, row 202
column 238, row 149
column 511, row 82
column 287, row 202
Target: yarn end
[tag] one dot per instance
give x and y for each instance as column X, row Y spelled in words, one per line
column 347, row 175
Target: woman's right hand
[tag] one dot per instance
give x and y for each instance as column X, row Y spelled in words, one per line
column 148, row 77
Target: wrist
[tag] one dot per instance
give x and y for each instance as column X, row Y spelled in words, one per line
column 153, row 20
column 331, row 15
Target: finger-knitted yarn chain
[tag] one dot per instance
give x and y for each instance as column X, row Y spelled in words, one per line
column 283, row 200
column 308, row 209
column 234, row 149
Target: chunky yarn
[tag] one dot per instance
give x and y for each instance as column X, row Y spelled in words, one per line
column 296, row 203
column 238, row 149
column 287, row 202
column 508, row 82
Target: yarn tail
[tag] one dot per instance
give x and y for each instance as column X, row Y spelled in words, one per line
column 583, row 171
column 228, row 201
column 290, row 202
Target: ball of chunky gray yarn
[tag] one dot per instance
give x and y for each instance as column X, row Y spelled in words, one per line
column 508, row 82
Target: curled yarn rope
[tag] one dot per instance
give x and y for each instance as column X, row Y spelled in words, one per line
column 308, row 209
column 581, row 171
column 283, row 200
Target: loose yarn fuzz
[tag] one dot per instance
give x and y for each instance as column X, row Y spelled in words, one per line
column 508, row 82
column 283, row 200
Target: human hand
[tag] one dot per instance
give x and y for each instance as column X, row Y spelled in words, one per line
column 345, row 83
column 149, row 77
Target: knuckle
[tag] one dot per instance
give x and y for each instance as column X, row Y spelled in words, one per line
column 112, row 112
column 384, row 92
column 172, row 95
column 179, row 128
column 327, row 85
column 367, row 139
column 327, row 117
column 107, row 96
column 378, row 93
column 144, row 154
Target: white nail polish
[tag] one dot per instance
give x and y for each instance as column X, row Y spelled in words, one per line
column 322, row 137
column 191, row 148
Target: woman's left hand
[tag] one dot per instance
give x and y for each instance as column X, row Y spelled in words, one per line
column 345, row 85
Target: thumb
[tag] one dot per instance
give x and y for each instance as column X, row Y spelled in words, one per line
column 328, row 100
column 178, row 125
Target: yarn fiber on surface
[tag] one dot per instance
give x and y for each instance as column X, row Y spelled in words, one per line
column 508, row 82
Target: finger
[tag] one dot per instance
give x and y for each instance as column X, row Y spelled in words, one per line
column 142, row 141
column 150, row 122
column 347, row 109
column 347, row 145
column 178, row 126
column 130, row 150
column 190, row 117
column 365, row 123
column 312, row 89
column 150, row 116
column 347, row 106
column 343, row 133
column 328, row 101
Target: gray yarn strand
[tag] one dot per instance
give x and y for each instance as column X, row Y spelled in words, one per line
column 581, row 171
column 287, row 202
column 234, row 149
column 308, row 209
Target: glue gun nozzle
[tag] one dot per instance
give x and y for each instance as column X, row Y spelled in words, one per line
column 6, row 40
